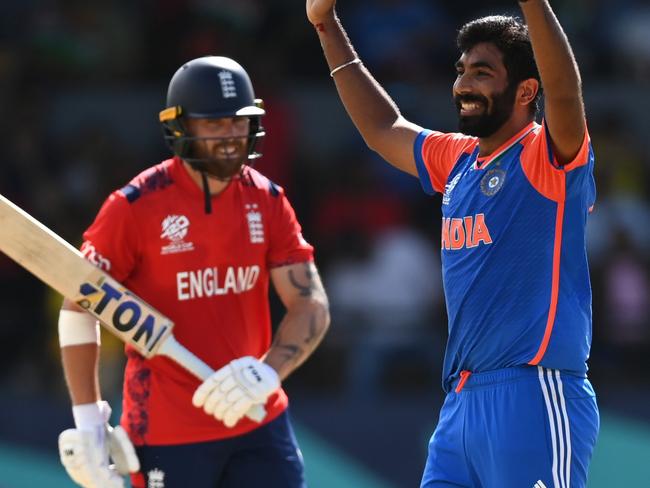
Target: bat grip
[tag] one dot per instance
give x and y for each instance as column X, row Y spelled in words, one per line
column 174, row 350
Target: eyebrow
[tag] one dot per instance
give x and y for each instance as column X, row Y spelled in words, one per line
column 476, row 65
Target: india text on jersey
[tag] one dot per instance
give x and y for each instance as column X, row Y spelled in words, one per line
column 466, row 232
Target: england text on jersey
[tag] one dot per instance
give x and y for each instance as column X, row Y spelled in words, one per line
column 210, row 282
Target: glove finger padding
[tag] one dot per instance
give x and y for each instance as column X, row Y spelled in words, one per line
column 85, row 458
column 236, row 411
column 220, row 407
column 202, row 392
column 228, row 383
column 73, row 456
column 122, row 451
column 241, row 384
column 212, row 399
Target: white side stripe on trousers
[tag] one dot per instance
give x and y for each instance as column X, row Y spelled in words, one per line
column 553, row 391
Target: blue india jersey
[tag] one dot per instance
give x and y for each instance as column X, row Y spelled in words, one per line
column 514, row 258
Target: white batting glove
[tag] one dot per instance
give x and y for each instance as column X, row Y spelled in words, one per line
column 121, row 451
column 231, row 391
column 85, row 451
column 84, row 454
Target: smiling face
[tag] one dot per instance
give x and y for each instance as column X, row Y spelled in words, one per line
column 222, row 144
column 484, row 97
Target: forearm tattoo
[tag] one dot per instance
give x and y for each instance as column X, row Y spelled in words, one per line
column 306, row 290
column 313, row 329
column 302, row 328
column 289, row 352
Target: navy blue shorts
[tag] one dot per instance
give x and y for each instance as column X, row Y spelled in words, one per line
column 524, row 427
column 268, row 456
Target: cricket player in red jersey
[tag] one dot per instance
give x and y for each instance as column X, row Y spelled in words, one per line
column 519, row 410
column 199, row 236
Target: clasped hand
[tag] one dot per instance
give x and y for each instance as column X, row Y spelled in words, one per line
column 234, row 389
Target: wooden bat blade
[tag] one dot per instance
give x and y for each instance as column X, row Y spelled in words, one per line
column 39, row 250
column 61, row 266
column 55, row 262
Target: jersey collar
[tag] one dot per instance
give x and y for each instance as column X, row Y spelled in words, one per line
column 184, row 180
column 482, row 163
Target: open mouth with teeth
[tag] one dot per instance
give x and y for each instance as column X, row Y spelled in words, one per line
column 468, row 109
column 229, row 150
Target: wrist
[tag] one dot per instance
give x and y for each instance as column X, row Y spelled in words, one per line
column 87, row 416
column 273, row 370
column 324, row 23
column 274, row 363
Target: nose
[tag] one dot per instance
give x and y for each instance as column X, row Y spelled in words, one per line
column 236, row 128
column 462, row 85
column 228, row 128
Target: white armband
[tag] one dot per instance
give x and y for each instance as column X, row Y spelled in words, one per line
column 77, row 328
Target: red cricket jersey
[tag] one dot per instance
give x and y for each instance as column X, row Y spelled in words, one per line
column 209, row 273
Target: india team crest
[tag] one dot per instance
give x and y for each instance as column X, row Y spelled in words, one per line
column 493, row 181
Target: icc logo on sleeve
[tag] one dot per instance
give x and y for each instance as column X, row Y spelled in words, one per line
column 449, row 187
column 492, row 182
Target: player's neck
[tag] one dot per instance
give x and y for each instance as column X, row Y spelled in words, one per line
column 514, row 125
column 216, row 186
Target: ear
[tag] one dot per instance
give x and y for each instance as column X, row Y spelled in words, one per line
column 527, row 91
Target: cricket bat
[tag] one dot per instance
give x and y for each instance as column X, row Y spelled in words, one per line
column 61, row 266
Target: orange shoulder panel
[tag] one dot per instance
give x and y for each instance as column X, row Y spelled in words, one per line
column 441, row 151
column 541, row 168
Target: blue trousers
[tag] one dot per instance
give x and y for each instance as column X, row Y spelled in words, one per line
column 523, row 427
column 268, row 456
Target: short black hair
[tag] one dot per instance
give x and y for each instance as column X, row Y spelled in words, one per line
column 510, row 36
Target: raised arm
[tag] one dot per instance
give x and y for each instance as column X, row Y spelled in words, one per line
column 371, row 109
column 300, row 288
column 563, row 106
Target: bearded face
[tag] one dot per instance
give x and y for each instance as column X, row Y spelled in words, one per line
column 482, row 116
column 484, row 96
column 221, row 158
column 219, row 146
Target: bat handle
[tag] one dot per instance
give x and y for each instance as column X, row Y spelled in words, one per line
column 174, row 350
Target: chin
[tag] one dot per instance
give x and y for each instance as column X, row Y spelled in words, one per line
column 476, row 126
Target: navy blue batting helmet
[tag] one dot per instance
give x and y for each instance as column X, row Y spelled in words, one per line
column 210, row 87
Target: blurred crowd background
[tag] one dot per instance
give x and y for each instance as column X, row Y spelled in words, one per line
column 81, row 84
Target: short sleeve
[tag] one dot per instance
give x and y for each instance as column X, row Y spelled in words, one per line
column 286, row 245
column 436, row 154
column 547, row 176
column 111, row 241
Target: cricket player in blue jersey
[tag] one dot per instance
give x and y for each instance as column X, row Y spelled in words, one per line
column 519, row 411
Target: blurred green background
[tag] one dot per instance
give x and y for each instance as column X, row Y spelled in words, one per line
column 621, row 459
